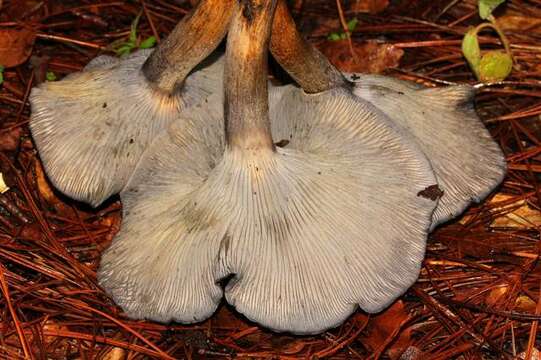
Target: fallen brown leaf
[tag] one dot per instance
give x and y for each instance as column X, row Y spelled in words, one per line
column 525, row 304
column 32, row 232
column 519, row 23
column 115, row 353
column 3, row 186
column 15, row 46
column 46, row 191
column 369, row 6
column 519, row 213
column 43, row 185
column 24, row 10
column 9, row 140
column 372, row 57
column 497, row 294
column 385, row 328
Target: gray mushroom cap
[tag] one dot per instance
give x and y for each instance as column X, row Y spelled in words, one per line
column 92, row 127
column 331, row 221
column 466, row 160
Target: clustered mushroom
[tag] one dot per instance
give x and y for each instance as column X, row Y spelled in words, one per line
column 92, row 127
column 309, row 201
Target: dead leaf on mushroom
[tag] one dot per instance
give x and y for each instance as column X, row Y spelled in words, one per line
column 15, row 46
column 372, row 57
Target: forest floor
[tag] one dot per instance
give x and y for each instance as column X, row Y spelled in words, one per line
column 479, row 293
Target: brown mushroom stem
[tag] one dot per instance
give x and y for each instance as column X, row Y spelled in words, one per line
column 310, row 69
column 192, row 40
column 246, row 94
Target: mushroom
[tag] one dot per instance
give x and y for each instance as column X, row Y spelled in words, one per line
column 92, row 127
column 304, row 233
column 466, row 160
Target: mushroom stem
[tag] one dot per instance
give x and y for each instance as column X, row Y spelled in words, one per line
column 192, row 40
column 310, row 69
column 246, row 93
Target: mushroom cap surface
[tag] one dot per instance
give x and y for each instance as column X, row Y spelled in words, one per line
column 92, row 126
column 329, row 222
column 467, row 162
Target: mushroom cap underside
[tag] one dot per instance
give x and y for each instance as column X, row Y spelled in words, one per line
column 331, row 221
column 92, row 127
column 467, row 162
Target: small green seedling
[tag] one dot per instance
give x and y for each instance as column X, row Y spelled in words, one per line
column 124, row 48
column 336, row 36
column 1, row 74
column 50, row 76
column 493, row 65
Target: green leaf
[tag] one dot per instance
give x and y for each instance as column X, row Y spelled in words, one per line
column 352, row 24
column 133, row 30
column 495, row 66
column 486, row 7
column 1, row 74
column 471, row 50
column 343, row 36
column 123, row 48
column 333, row 36
column 148, row 43
column 50, row 76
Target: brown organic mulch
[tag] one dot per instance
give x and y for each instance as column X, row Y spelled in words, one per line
column 479, row 294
